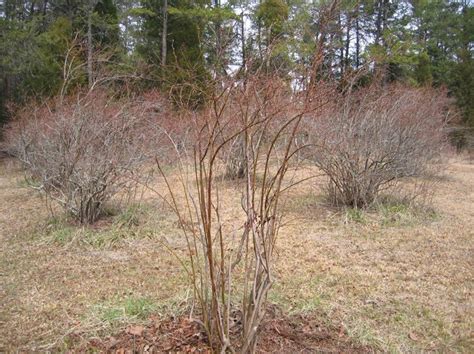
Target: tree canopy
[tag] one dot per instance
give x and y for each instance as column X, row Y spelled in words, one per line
column 54, row 46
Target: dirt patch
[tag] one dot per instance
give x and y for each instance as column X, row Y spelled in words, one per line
column 307, row 333
column 279, row 333
column 171, row 334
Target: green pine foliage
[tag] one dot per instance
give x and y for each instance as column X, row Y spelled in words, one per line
column 419, row 42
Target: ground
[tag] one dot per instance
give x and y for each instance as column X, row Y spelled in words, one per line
column 397, row 278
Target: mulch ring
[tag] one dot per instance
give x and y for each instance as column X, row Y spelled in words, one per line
column 169, row 335
column 279, row 334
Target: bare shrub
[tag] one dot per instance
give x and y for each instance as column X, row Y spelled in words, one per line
column 230, row 260
column 81, row 150
column 280, row 104
column 236, row 166
column 371, row 138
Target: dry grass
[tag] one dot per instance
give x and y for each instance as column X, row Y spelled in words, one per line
column 396, row 278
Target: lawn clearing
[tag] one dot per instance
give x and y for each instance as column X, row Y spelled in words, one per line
column 391, row 279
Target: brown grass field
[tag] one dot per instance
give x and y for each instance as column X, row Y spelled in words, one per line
column 399, row 278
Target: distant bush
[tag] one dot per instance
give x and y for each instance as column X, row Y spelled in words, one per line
column 81, row 151
column 371, row 138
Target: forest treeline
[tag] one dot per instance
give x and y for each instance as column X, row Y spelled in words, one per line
column 53, row 47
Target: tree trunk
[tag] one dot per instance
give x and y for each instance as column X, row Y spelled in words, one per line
column 384, row 11
column 90, row 73
column 219, row 62
column 164, row 33
column 242, row 24
column 357, row 41
column 348, row 39
column 32, row 9
column 341, row 48
column 45, row 7
column 321, row 37
column 378, row 22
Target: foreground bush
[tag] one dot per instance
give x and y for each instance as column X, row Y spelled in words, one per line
column 370, row 139
column 81, row 151
column 246, row 130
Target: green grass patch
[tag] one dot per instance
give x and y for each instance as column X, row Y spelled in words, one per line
column 131, row 308
column 398, row 212
column 298, row 295
column 134, row 222
column 63, row 235
column 355, row 215
column 391, row 212
column 27, row 182
column 132, row 216
column 136, row 309
column 126, row 310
